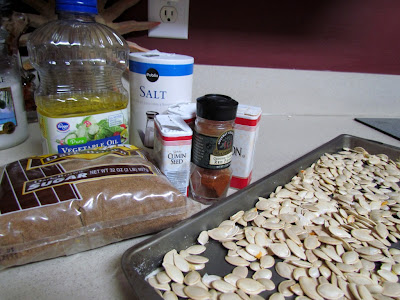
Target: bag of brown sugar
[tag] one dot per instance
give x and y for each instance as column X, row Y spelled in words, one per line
column 61, row 204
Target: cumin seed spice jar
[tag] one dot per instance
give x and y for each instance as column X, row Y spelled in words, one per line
column 212, row 147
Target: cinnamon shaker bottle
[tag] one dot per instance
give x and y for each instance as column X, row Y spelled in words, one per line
column 212, row 147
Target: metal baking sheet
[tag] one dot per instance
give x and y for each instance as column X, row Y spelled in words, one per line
column 143, row 258
column 389, row 126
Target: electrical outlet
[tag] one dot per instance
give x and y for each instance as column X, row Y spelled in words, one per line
column 173, row 16
column 168, row 14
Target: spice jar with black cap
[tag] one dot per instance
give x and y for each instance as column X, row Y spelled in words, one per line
column 212, row 147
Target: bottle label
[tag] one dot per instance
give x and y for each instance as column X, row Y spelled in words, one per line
column 63, row 135
column 8, row 119
column 211, row 152
column 155, row 87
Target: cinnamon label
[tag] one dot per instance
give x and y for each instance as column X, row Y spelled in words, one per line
column 212, row 152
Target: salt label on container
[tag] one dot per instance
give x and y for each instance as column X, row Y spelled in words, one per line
column 244, row 142
column 157, row 81
column 172, row 149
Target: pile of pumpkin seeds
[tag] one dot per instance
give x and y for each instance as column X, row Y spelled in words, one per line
column 328, row 233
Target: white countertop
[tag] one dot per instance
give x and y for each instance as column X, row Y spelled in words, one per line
column 97, row 274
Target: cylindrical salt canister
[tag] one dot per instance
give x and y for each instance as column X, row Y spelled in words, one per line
column 187, row 111
column 244, row 144
column 157, row 81
column 172, row 149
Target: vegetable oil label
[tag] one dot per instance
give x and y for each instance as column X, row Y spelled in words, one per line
column 8, row 120
column 63, row 135
column 212, row 152
column 157, row 81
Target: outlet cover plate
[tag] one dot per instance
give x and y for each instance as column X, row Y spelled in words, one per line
column 174, row 27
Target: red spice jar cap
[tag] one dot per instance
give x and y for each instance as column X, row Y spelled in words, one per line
column 216, row 107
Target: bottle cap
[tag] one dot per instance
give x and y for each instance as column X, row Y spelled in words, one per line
column 80, row 6
column 216, row 107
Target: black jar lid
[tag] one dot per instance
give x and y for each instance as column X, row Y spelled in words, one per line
column 216, row 107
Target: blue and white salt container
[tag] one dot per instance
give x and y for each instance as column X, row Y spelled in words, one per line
column 157, row 81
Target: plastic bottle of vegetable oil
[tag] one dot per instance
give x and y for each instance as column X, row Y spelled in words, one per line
column 81, row 101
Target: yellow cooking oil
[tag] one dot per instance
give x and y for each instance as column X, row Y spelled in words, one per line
column 74, row 105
